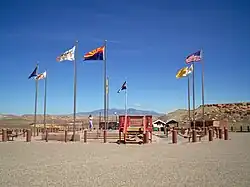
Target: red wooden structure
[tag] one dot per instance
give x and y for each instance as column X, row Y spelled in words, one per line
column 135, row 128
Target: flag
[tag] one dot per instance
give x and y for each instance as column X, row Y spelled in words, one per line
column 183, row 72
column 124, row 87
column 34, row 73
column 195, row 57
column 67, row 55
column 96, row 54
column 190, row 70
column 41, row 76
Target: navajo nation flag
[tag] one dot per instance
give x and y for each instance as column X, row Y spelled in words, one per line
column 67, row 55
column 96, row 54
column 195, row 57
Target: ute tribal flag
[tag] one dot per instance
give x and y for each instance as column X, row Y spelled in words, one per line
column 41, row 76
column 195, row 57
column 183, row 72
column 67, row 55
column 96, row 54
column 34, row 73
column 124, row 87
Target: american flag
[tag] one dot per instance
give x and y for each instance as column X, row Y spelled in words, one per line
column 195, row 57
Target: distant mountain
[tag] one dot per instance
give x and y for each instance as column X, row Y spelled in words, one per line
column 113, row 111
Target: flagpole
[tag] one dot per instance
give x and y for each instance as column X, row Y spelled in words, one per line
column 193, row 98
column 45, row 101
column 105, row 77
column 202, row 85
column 35, row 113
column 75, row 84
column 107, row 92
column 189, row 114
column 126, row 103
column 126, row 100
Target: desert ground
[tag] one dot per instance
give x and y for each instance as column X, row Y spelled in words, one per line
column 217, row 163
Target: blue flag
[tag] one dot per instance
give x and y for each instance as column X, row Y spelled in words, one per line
column 124, row 87
column 34, row 73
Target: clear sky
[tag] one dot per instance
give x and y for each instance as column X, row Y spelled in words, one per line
column 147, row 43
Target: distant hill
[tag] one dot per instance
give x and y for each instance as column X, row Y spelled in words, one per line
column 236, row 113
column 131, row 111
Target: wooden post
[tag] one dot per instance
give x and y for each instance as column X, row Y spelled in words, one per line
column 194, row 136
column 46, row 135
column 145, row 137
column 210, row 135
column 174, row 136
column 225, row 134
column 105, row 136
column 4, row 135
column 220, row 133
column 85, row 136
column 28, row 137
column 65, row 136
column 37, row 131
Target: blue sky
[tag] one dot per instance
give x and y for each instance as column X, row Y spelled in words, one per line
column 147, row 43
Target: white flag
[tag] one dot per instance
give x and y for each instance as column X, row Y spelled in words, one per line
column 67, row 55
column 41, row 76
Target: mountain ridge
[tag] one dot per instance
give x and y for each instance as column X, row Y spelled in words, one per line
column 115, row 111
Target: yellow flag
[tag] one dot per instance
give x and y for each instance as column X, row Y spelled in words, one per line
column 182, row 72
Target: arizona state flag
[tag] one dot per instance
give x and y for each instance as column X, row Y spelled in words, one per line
column 96, row 54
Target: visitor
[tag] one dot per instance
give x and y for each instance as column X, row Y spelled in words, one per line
column 90, row 122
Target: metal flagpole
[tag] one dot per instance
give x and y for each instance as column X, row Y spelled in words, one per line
column 36, row 93
column 45, row 102
column 193, row 98
column 202, row 85
column 35, row 108
column 107, row 92
column 126, row 99
column 126, row 103
column 75, row 76
column 105, row 77
column 189, row 115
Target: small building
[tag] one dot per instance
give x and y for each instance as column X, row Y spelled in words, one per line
column 172, row 123
column 159, row 125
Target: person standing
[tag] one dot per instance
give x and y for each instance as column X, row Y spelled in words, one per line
column 90, row 122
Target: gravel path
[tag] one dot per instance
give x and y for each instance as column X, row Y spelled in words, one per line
column 217, row 163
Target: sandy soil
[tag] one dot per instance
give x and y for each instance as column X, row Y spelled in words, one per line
column 217, row 163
